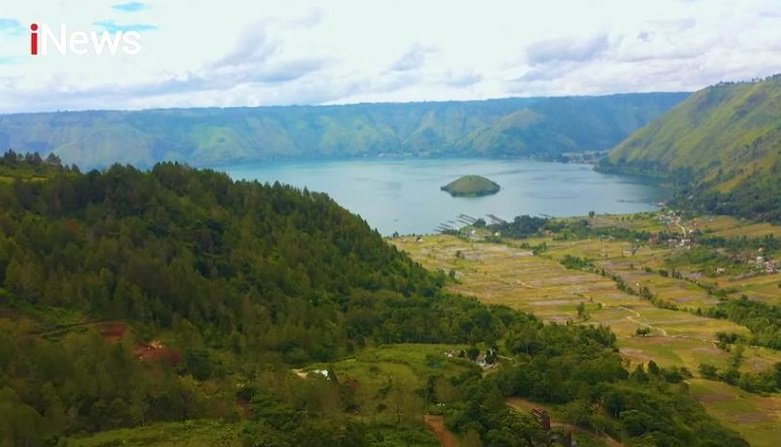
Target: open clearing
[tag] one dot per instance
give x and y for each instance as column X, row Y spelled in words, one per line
column 385, row 378
column 757, row 418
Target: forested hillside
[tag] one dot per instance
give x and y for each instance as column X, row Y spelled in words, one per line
column 543, row 127
column 133, row 297
column 722, row 146
column 269, row 266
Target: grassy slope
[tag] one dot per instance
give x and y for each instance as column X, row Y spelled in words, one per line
column 522, row 126
column 725, row 134
column 754, row 416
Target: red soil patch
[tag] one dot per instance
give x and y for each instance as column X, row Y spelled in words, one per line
column 113, row 331
column 155, row 351
column 437, row 425
column 152, row 351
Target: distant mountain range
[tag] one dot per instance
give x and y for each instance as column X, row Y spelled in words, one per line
column 541, row 127
column 722, row 146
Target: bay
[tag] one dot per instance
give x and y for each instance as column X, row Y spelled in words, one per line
column 404, row 195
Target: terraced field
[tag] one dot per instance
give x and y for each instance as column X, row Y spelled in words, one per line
column 766, row 288
column 617, row 258
column 502, row 274
column 506, row 274
column 727, row 226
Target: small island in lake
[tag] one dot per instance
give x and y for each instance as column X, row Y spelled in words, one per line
column 471, row 186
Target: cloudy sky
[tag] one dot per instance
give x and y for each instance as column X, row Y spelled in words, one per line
column 264, row 52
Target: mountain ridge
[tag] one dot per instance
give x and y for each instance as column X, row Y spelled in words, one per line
column 720, row 146
column 541, row 127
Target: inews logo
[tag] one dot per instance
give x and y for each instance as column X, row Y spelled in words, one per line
column 81, row 42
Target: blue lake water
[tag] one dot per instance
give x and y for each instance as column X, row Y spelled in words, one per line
column 405, row 195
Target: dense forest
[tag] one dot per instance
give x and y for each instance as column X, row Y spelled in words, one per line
column 529, row 127
column 130, row 297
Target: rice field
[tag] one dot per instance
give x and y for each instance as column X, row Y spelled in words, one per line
column 509, row 275
column 501, row 274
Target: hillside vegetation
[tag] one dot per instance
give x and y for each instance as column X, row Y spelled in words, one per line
column 722, row 146
column 141, row 299
column 544, row 127
column 471, row 186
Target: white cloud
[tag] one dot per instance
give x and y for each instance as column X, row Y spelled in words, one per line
column 567, row 49
column 413, row 59
column 242, row 52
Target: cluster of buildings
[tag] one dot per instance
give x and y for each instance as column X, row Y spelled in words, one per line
column 674, row 221
column 484, row 359
column 681, row 237
column 766, row 265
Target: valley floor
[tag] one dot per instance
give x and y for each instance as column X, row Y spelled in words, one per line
column 504, row 273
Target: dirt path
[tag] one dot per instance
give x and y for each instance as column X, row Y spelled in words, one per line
column 637, row 315
column 662, row 331
column 437, row 425
column 300, row 373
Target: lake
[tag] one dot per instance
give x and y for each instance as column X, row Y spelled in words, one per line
column 405, row 196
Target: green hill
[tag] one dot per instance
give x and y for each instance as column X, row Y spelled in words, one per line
column 130, row 297
column 176, row 306
column 471, row 186
column 721, row 145
column 545, row 127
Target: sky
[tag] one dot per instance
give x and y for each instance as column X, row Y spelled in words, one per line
column 198, row 53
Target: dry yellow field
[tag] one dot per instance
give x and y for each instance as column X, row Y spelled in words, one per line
column 512, row 276
column 762, row 287
column 728, row 226
column 617, row 258
column 501, row 274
